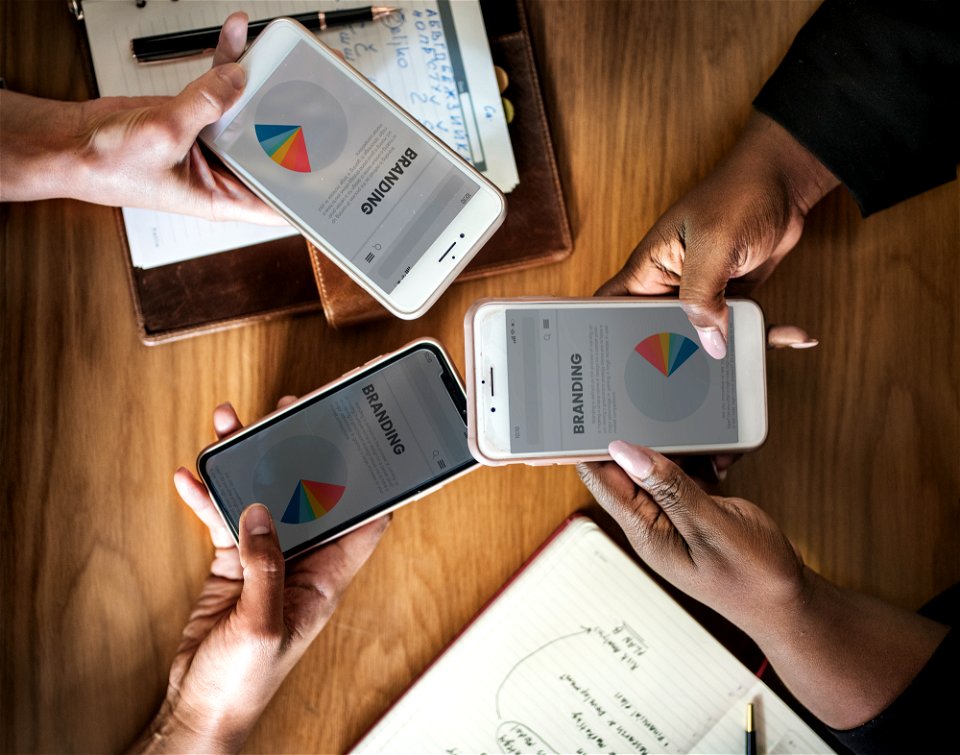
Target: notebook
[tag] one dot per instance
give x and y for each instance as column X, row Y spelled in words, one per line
column 583, row 652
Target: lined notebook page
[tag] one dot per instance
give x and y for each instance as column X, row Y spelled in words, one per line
column 583, row 652
column 434, row 61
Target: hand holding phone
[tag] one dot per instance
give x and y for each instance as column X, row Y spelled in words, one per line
column 217, row 687
column 557, row 380
column 381, row 436
column 387, row 201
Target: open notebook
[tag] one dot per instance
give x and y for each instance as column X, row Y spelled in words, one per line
column 582, row 651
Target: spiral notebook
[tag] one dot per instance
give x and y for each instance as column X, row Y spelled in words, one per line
column 583, row 652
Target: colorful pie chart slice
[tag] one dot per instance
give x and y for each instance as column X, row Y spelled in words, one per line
column 284, row 145
column 666, row 352
column 311, row 500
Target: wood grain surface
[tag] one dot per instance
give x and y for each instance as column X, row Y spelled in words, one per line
column 101, row 562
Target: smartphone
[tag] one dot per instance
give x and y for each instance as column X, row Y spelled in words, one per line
column 556, row 380
column 387, row 201
column 381, row 436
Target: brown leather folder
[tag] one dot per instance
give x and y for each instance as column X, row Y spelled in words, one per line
column 536, row 230
column 282, row 277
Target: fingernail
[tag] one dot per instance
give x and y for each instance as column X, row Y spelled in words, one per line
column 257, row 520
column 808, row 344
column 720, row 474
column 633, row 459
column 713, row 343
column 233, row 73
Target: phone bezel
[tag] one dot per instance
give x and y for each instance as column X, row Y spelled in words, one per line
column 448, row 377
column 490, row 431
column 435, row 270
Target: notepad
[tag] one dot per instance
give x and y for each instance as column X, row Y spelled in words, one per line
column 583, row 652
column 433, row 59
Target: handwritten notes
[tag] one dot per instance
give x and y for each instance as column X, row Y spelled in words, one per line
column 432, row 58
column 584, row 653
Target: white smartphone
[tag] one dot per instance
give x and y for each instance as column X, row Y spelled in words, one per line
column 556, row 380
column 387, row 201
column 381, row 436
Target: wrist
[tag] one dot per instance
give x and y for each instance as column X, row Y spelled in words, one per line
column 774, row 620
column 41, row 140
column 806, row 179
column 178, row 727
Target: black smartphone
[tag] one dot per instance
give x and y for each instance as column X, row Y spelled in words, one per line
column 380, row 436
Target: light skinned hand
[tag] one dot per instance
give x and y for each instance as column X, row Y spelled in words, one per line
column 738, row 223
column 255, row 617
column 132, row 151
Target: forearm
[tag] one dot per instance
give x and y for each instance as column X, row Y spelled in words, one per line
column 846, row 656
column 39, row 146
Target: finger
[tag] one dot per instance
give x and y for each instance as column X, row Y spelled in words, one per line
column 707, row 267
column 201, row 103
column 680, row 498
column 653, row 268
column 225, row 420
column 789, row 337
column 722, row 464
column 193, row 493
column 233, row 38
column 260, row 607
column 285, row 401
column 316, row 582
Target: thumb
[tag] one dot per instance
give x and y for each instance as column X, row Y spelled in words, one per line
column 706, row 270
column 202, row 102
column 680, row 498
column 260, row 607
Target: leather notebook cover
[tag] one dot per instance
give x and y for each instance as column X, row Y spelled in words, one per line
column 536, row 230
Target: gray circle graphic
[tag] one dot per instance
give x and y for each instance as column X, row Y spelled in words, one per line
column 664, row 398
column 301, row 457
column 315, row 110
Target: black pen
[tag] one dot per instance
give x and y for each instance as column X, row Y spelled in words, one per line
column 182, row 44
column 751, row 734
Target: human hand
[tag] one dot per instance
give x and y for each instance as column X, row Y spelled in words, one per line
column 132, row 151
column 254, row 619
column 739, row 222
column 725, row 552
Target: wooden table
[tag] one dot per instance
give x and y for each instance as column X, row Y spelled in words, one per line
column 101, row 563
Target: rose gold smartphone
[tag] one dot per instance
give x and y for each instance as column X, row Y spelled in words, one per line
column 388, row 202
column 381, row 436
column 554, row 381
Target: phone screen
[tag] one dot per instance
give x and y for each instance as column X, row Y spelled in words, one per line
column 345, row 455
column 579, row 378
column 372, row 187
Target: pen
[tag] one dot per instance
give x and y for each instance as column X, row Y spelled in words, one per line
column 182, row 44
column 751, row 734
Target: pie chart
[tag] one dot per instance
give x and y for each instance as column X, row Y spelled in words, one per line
column 311, row 500
column 300, row 478
column 667, row 376
column 300, row 126
column 285, row 146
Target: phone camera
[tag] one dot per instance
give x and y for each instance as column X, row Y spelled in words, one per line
column 493, row 408
column 461, row 235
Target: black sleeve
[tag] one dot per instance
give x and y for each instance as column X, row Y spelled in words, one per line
column 871, row 88
column 923, row 717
